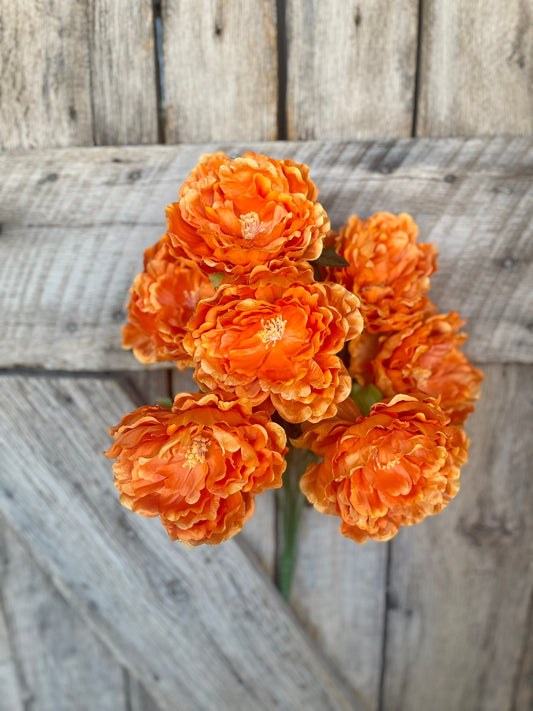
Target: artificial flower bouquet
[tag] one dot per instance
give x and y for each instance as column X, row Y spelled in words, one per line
column 323, row 366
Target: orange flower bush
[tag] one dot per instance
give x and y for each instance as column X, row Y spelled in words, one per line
column 347, row 355
column 426, row 359
column 233, row 215
column 198, row 465
column 162, row 300
column 387, row 269
column 274, row 334
column 390, row 469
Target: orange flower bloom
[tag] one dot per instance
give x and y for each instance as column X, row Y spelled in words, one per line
column 233, row 215
column 390, row 469
column 388, row 270
column 275, row 334
column 162, row 300
column 426, row 359
column 198, row 465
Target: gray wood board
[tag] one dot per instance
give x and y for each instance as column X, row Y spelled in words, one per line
column 476, row 68
column 75, row 223
column 339, row 593
column 57, row 663
column 351, row 68
column 461, row 583
column 220, row 70
column 77, row 73
column 205, row 625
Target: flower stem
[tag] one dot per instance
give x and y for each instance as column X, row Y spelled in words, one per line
column 290, row 506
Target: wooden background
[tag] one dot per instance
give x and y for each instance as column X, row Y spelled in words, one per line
column 98, row 610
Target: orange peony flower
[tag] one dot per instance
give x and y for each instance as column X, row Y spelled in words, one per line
column 426, row 359
column 233, row 215
column 162, row 300
column 388, row 270
column 390, row 469
column 198, row 465
column 274, row 334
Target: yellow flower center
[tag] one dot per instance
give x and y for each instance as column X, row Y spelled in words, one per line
column 197, row 450
column 250, row 225
column 272, row 330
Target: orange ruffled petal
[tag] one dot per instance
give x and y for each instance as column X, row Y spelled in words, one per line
column 390, row 469
column 273, row 334
column 233, row 215
column 162, row 300
column 388, row 270
column 197, row 466
column 426, row 359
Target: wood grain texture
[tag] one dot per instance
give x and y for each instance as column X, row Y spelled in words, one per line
column 75, row 223
column 523, row 686
column 459, row 617
column 123, row 74
column 476, row 72
column 351, row 68
column 60, row 665
column 139, row 699
column 10, row 683
column 46, row 78
column 220, row 70
column 77, row 73
column 339, row 594
column 171, row 614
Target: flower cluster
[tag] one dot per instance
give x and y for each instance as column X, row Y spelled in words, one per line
column 283, row 339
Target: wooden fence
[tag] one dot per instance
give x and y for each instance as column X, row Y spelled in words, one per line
column 99, row 611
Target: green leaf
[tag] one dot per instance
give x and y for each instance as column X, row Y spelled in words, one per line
column 216, row 278
column 331, row 258
column 165, row 402
column 365, row 397
column 317, row 272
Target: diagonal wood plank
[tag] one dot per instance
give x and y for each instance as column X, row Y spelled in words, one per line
column 75, row 222
column 459, row 619
column 220, row 70
column 351, row 68
column 172, row 615
column 476, row 70
column 60, row 665
column 12, row 696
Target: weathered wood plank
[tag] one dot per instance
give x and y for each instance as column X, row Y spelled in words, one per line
column 139, row 699
column 75, row 223
column 220, row 70
column 351, row 68
column 154, row 604
column 11, row 699
column 339, row 594
column 77, row 73
column 61, row 665
column 476, row 69
column 523, row 687
column 45, row 69
column 123, row 75
column 461, row 583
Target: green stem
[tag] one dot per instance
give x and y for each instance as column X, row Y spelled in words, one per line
column 290, row 506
